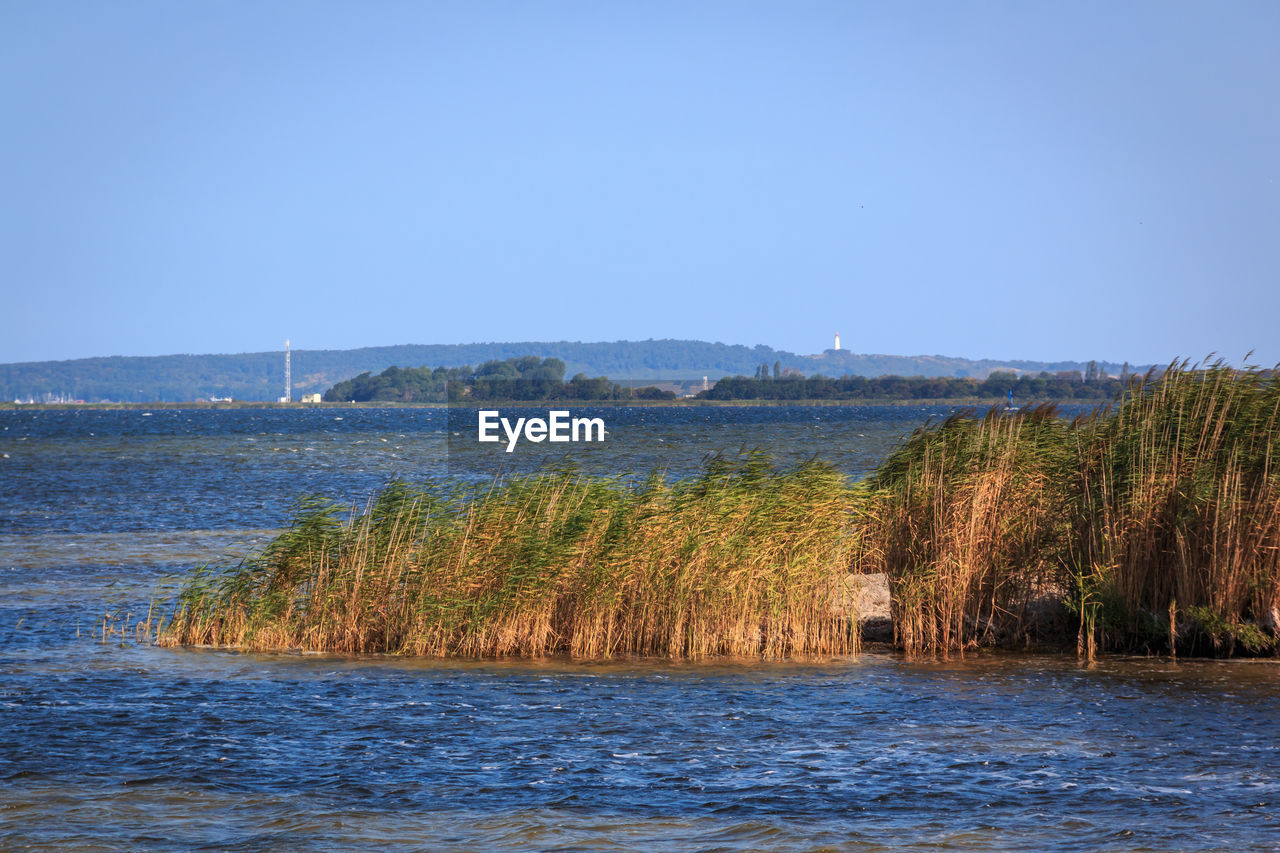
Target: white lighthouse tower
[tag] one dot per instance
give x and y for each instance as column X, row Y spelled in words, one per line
column 837, row 346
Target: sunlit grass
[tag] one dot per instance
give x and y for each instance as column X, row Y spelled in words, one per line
column 742, row 560
column 1156, row 521
column 1151, row 525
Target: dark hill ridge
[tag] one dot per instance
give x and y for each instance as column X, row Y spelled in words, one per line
column 260, row 375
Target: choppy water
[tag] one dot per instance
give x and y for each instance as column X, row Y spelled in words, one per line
column 126, row 746
column 75, row 471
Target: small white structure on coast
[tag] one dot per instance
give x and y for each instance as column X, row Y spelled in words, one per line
column 288, row 375
column 837, row 346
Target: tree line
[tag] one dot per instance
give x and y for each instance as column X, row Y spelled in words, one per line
column 522, row 379
column 777, row 384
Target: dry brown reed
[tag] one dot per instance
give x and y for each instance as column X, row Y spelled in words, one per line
column 743, row 560
column 1154, row 523
column 1182, row 510
column 967, row 520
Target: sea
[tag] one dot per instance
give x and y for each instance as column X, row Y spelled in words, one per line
column 110, row 743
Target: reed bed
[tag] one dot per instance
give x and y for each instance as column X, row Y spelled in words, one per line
column 969, row 521
column 742, row 560
column 1152, row 525
column 1181, row 512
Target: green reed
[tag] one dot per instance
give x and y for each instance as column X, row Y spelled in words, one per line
column 1155, row 522
column 742, row 560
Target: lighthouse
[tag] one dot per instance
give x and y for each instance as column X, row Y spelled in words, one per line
column 837, row 346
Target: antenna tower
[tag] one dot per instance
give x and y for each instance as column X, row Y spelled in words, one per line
column 288, row 375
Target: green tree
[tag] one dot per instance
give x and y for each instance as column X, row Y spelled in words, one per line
column 999, row 384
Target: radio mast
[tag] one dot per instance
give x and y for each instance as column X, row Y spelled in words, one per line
column 288, row 376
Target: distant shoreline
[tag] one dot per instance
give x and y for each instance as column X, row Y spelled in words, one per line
column 541, row 404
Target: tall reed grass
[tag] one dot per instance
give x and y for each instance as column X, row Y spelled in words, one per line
column 742, row 560
column 1155, row 523
column 1151, row 525
column 969, row 519
column 1180, row 511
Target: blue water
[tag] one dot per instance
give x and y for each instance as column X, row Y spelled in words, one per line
column 83, row 470
column 120, row 745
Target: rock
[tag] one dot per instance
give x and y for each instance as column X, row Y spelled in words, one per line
column 866, row 598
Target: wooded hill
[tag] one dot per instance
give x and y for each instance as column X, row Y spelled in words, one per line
column 260, row 376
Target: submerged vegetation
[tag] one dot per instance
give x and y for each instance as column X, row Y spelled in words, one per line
column 1152, row 525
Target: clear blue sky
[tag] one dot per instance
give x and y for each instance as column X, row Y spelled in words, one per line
column 1014, row 180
